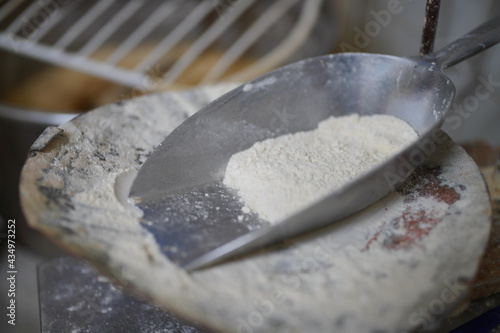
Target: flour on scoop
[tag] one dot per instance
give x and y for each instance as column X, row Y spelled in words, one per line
column 278, row 177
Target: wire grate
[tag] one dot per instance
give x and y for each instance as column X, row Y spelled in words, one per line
column 98, row 37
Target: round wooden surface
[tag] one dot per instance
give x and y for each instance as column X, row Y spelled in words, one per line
column 400, row 265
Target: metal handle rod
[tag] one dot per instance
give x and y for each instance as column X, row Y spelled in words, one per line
column 430, row 26
column 477, row 40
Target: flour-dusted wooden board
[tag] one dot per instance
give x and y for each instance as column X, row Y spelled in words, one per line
column 398, row 266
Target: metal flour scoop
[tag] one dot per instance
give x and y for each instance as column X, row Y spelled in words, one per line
column 184, row 175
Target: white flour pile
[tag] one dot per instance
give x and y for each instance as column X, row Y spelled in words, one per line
column 279, row 177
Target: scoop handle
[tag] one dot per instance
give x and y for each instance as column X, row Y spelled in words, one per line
column 472, row 43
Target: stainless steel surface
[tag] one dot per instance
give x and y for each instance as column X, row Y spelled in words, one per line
column 96, row 25
column 307, row 92
column 74, row 297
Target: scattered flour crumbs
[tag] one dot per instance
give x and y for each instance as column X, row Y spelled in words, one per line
column 279, row 177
